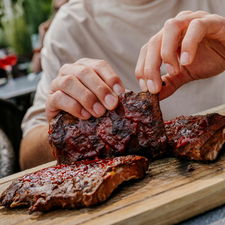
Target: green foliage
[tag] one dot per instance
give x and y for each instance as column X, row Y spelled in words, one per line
column 27, row 16
column 17, row 35
column 35, row 13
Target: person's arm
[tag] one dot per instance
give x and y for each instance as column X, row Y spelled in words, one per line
column 36, row 59
column 84, row 88
column 35, row 148
column 192, row 46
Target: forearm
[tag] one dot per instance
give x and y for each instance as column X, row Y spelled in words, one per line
column 35, row 148
column 36, row 63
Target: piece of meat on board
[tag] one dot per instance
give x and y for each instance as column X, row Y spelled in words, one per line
column 135, row 127
column 84, row 183
column 197, row 137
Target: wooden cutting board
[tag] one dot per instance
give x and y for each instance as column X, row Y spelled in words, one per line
column 168, row 194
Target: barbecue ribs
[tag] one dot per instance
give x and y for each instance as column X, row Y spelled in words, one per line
column 196, row 137
column 79, row 184
column 135, row 127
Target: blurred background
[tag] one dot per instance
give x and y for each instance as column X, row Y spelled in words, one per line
column 19, row 21
column 19, row 43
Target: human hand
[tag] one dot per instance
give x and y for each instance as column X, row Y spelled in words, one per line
column 87, row 87
column 192, row 46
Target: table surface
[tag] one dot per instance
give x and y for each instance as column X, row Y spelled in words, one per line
column 167, row 195
column 19, row 86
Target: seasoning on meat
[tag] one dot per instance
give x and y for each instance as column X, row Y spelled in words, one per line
column 196, row 137
column 134, row 127
column 79, row 184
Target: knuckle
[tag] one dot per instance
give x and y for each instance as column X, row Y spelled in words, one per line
column 81, row 71
column 197, row 22
column 65, row 82
column 147, row 70
column 53, row 84
column 64, row 68
column 214, row 17
column 111, row 79
column 144, row 48
column 153, row 40
column 82, row 61
column 99, row 64
column 202, row 13
column 75, row 105
column 183, row 13
column 171, row 22
column 55, row 98
column 100, row 88
column 87, row 98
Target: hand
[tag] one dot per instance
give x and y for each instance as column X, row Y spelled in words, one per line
column 87, row 87
column 192, row 45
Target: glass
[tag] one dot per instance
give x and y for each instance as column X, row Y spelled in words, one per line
column 7, row 60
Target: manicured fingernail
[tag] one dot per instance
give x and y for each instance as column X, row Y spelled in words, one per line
column 170, row 69
column 117, row 89
column 99, row 108
column 85, row 113
column 184, row 59
column 110, row 100
column 143, row 85
column 151, row 86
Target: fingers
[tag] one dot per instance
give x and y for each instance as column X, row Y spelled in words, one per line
column 209, row 27
column 106, row 72
column 174, row 35
column 85, row 88
column 89, row 86
column 174, row 82
column 148, row 66
column 176, row 45
column 58, row 101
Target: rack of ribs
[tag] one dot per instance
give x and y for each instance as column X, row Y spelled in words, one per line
column 84, row 183
column 196, row 137
column 135, row 127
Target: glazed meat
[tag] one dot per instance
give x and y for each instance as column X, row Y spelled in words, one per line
column 135, row 127
column 196, row 137
column 79, row 184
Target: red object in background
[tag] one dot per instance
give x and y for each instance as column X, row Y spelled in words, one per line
column 8, row 61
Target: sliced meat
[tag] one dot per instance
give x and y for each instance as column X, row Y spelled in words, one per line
column 84, row 183
column 134, row 127
column 196, row 137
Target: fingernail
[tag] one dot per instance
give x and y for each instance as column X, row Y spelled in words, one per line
column 143, row 85
column 117, row 89
column 99, row 108
column 170, row 69
column 151, row 86
column 110, row 100
column 85, row 113
column 184, row 59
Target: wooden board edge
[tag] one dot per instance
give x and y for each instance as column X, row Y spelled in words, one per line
column 219, row 109
column 172, row 206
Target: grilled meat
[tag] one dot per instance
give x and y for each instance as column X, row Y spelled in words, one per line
column 196, row 137
column 84, row 183
column 134, row 127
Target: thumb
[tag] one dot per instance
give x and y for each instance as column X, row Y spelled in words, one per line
column 173, row 83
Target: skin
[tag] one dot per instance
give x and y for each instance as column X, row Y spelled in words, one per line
column 192, row 45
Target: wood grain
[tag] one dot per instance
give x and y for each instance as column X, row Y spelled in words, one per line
column 168, row 194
